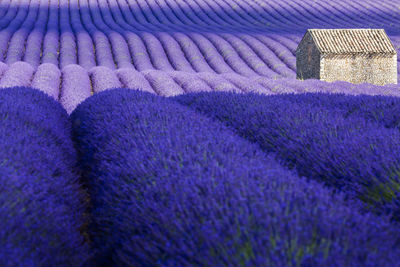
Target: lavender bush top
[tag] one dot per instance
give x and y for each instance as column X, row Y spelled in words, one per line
column 350, row 153
column 171, row 187
column 41, row 201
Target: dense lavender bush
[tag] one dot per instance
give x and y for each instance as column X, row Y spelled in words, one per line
column 384, row 110
column 357, row 156
column 31, row 105
column 41, row 201
column 170, row 187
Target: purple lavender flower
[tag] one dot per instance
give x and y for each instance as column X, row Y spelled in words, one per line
column 350, row 153
column 171, row 187
column 42, row 202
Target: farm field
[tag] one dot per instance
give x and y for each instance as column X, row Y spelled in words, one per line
column 175, row 133
column 74, row 49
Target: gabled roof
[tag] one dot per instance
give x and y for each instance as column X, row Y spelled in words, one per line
column 351, row 41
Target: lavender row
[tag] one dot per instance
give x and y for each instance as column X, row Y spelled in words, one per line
column 42, row 203
column 384, row 110
column 171, row 187
column 351, row 154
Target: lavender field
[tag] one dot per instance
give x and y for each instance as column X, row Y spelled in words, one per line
column 74, row 49
column 175, row 133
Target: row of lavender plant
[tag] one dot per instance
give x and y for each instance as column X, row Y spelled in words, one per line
column 42, row 202
column 171, row 187
column 354, row 155
column 384, row 110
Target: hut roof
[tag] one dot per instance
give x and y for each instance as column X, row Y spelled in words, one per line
column 352, row 41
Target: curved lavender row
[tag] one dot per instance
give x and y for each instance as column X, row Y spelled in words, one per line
column 11, row 12
column 139, row 53
column 103, row 50
column 244, row 84
column 189, row 82
column 292, row 58
column 188, row 191
column 381, row 109
column 175, row 53
column 67, row 38
column 232, row 62
column 259, row 55
column 103, row 78
column 243, row 49
column 133, row 79
column 183, row 59
column 86, row 50
column 162, row 83
column 35, row 38
column 193, row 53
column 6, row 32
column 352, row 155
column 16, row 45
column 75, row 88
column 276, row 86
column 51, row 37
column 165, row 43
column 42, row 212
column 118, row 44
column 18, row 74
column 132, row 37
column 217, row 82
column 157, row 55
column 156, row 52
column 47, row 78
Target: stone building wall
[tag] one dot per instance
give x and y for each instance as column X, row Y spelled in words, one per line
column 307, row 59
column 374, row 69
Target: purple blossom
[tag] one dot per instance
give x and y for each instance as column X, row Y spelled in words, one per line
column 188, row 191
column 42, row 203
column 349, row 153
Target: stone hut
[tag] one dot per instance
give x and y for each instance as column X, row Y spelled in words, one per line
column 352, row 55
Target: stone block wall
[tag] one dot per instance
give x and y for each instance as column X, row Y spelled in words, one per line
column 373, row 68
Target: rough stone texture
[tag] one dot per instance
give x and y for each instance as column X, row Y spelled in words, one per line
column 308, row 59
column 352, row 55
